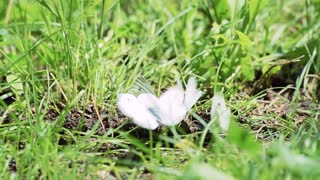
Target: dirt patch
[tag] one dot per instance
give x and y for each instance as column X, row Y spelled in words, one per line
column 276, row 112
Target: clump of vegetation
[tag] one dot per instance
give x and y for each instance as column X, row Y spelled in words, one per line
column 63, row 64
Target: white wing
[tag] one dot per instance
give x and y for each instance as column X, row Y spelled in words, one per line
column 140, row 86
column 217, row 102
column 151, row 103
column 149, row 100
column 137, row 109
column 172, row 108
column 225, row 119
column 192, row 94
column 220, row 111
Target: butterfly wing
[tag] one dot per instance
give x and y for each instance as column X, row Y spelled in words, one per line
column 151, row 103
column 141, row 86
column 132, row 107
column 217, row 102
column 192, row 94
column 172, row 109
column 225, row 119
column 125, row 102
column 220, row 111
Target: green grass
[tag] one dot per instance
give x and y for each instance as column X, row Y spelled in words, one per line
column 83, row 53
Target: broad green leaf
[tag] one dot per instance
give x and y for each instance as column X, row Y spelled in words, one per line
column 247, row 68
column 221, row 8
column 244, row 40
column 243, row 139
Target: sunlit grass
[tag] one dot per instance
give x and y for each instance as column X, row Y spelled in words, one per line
column 68, row 56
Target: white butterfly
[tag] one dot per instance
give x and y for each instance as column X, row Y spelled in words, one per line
column 220, row 111
column 149, row 112
column 139, row 109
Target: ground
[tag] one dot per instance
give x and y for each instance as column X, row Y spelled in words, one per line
column 64, row 63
